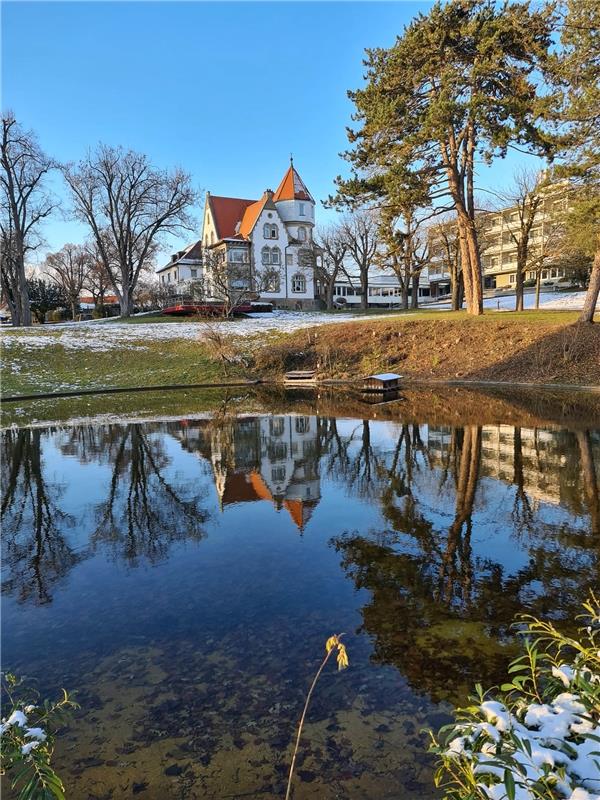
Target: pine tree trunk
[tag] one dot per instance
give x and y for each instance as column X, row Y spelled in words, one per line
column 475, row 306
column 465, row 260
column 591, row 298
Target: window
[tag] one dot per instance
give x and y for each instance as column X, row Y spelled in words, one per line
column 289, row 259
column 266, row 255
column 275, row 256
column 302, row 234
column 194, row 273
column 302, row 424
column 272, row 282
column 512, row 278
column 278, row 474
column 270, row 231
column 298, row 283
column 276, row 426
column 302, row 212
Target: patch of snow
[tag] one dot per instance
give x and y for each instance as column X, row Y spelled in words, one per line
column 85, row 336
column 560, row 741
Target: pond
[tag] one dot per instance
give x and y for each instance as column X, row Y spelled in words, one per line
column 181, row 574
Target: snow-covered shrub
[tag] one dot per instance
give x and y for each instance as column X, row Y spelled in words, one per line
column 27, row 740
column 536, row 737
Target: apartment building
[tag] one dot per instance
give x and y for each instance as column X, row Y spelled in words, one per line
column 499, row 233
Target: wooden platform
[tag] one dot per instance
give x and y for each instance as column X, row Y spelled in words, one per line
column 300, row 377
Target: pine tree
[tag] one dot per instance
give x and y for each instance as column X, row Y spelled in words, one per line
column 459, row 84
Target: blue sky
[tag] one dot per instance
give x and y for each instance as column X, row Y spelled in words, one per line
column 226, row 90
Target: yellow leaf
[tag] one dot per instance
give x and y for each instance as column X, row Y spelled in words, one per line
column 342, row 657
column 331, row 643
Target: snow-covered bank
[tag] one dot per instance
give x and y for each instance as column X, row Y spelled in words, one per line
column 549, row 301
column 82, row 336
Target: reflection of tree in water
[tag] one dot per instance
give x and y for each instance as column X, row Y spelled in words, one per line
column 36, row 553
column 437, row 612
column 144, row 511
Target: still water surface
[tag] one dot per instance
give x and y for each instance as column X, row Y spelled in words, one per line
column 182, row 577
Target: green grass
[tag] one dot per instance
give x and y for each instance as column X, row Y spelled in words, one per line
column 147, row 362
column 54, row 368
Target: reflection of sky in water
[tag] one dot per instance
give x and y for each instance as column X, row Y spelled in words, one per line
column 263, row 567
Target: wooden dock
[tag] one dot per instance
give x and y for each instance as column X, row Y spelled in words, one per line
column 300, row 378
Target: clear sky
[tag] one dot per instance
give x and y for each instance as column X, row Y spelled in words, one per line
column 226, row 90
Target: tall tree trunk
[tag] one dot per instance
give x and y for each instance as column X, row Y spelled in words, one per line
column 125, row 301
column 591, row 298
column 329, row 288
column 475, row 306
column 364, row 289
column 458, row 291
column 414, row 295
column 519, row 289
column 465, row 258
column 404, row 294
column 538, row 285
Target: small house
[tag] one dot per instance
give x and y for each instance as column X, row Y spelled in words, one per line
column 382, row 382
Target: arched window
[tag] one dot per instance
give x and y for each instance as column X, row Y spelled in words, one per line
column 275, row 255
column 266, row 255
column 301, row 234
column 272, row 281
column 298, row 283
column 270, row 231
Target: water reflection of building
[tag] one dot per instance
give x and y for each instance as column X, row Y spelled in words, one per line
column 262, row 458
column 540, row 454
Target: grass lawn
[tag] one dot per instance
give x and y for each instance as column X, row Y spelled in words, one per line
column 423, row 344
column 54, row 368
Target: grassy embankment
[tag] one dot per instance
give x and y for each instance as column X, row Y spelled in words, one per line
column 529, row 347
column 533, row 347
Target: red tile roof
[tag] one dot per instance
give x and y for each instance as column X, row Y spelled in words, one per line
column 251, row 214
column 226, row 213
column 292, row 187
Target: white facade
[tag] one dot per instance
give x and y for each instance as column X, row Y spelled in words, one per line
column 274, row 235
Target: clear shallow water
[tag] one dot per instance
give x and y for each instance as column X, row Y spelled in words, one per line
column 182, row 578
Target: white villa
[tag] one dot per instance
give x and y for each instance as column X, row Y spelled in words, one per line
column 272, row 236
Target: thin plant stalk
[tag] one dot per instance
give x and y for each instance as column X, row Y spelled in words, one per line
column 332, row 645
column 301, row 725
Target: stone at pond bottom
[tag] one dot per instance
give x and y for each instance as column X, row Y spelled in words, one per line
column 173, row 769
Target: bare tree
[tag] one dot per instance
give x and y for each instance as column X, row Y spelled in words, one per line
column 526, row 199
column 98, row 280
column 130, row 206
column 405, row 251
column 330, row 265
column 24, row 205
column 445, row 247
column 233, row 283
column 360, row 234
column 69, row 269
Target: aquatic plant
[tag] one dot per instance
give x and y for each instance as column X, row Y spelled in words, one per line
column 536, row 737
column 332, row 645
column 27, row 735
